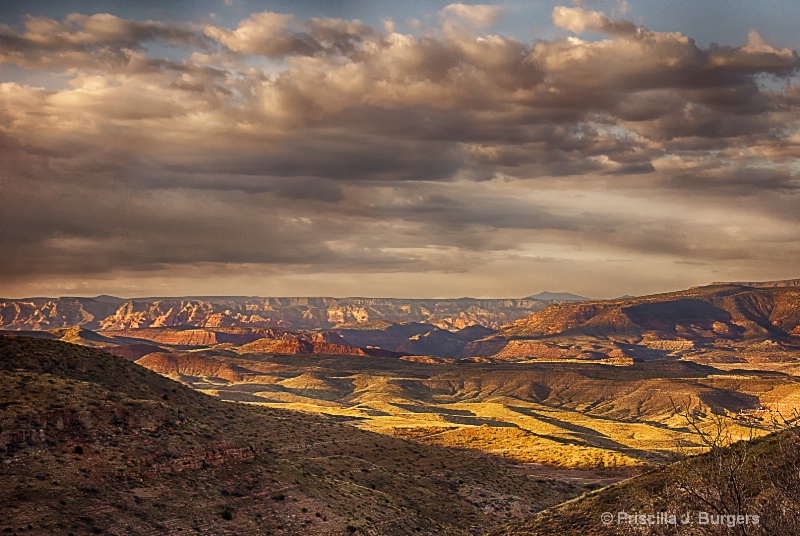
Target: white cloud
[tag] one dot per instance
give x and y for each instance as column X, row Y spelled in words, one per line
column 579, row 20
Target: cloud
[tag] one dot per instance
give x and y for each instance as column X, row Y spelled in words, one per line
column 463, row 18
column 579, row 20
column 328, row 146
column 100, row 41
column 277, row 35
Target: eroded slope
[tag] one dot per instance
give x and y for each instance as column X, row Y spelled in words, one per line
column 92, row 443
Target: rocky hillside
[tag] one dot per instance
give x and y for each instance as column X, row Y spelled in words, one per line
column 92, row 443
column 718, row 311
column 746, row 488
column 240, row 340
column 108, row 313
column 712, row 324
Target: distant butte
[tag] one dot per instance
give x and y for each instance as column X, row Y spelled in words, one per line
column 558, row 296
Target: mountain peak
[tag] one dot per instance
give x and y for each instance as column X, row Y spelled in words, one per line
column 558, row 296
column 105, row 298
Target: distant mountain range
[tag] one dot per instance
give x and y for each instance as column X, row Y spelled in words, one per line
column 762, row 284
column 108, row 312
column 716, row 323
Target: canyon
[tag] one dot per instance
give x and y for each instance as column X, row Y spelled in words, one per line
column 553, row 398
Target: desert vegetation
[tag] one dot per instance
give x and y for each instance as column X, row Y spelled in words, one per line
column 92, row 443
column 745, row 487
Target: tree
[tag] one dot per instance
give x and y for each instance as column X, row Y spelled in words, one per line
column 738, row 478
column 716, row 482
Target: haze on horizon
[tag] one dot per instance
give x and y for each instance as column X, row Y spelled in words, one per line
column 398, row 149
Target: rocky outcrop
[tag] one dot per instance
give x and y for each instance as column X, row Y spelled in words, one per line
column 190, row 337
column 47, row 313
column 33, row 429
column 189, row 364
column 132, row 352
column 201, row 459
column 277, row 346
column 301, row 343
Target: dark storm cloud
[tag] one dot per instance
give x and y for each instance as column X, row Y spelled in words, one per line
column 128, row 229
column 745, row 181
column 289, row 187
column 445, row 210
column 329, row 145
column 338, row 156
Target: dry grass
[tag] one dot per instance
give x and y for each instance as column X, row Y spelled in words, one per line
column 580, row 417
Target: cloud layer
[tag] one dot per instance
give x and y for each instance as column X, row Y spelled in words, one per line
column 296, row 154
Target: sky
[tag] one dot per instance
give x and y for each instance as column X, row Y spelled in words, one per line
column 396, row 149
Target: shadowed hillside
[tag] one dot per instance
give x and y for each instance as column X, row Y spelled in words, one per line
column 728, row 312
column 92, row 443
column 713, row 324
column 747, row 489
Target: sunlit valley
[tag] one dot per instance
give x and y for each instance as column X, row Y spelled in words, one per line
column 577, row 384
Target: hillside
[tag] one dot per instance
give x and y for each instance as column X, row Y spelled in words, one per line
column 93, row 443
column 764, row 284
column 757, row 481
column 712, row 324
column 728, row 312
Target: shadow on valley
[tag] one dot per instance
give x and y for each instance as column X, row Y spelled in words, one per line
column 586, row 435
